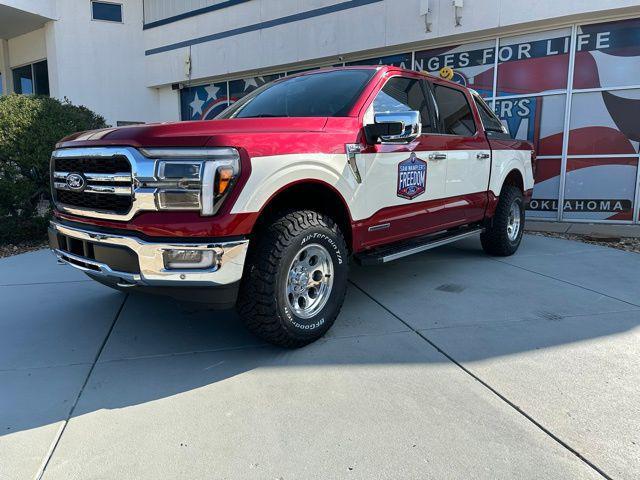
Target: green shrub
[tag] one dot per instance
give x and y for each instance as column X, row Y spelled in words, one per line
column 30, row 126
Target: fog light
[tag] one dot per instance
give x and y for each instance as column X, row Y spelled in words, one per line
column 190, row 259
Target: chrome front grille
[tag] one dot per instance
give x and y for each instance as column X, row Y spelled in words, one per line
column 113, row 182
column 95, row 201
column 93, row 165
column 100, row 184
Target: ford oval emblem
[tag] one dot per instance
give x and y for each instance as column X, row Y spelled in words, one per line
column 75, row 182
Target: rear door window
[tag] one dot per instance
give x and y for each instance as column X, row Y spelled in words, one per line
column 454, row 111
column 490, row 122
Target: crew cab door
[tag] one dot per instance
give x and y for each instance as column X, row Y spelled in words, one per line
column 404, row 183
column 467, row 150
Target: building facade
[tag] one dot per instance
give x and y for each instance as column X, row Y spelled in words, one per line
column 563, row 75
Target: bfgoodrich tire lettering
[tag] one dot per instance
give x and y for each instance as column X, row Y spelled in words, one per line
column 264, row 303
column 498, row 239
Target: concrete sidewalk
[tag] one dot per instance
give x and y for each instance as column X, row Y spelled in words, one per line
column 448, row 364
column 604, row 230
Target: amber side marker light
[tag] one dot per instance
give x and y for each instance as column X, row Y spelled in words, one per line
column 224, row 177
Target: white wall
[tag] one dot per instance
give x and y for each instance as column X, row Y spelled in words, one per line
column 155, row 10
column 330, row 35
column 493, row 14
column 168, row 105
column 27, row 48
column 101, row 64
column 350, row 33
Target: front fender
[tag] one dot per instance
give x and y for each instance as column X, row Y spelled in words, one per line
column 270, row 175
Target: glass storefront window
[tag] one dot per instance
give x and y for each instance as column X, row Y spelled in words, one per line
column 41, row 77
column 402, row 60
column 533, row 63
column 23, row 80
column 31, row 79
column 603, row 123
column 203, row 102
column 540, row 120
column 473, row 64
column 607, row 54
column 544, row 202
column 600, row 188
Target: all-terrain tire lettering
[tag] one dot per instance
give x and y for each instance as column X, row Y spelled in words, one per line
column 261, row 302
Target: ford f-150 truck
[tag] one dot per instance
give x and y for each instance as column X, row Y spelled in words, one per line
column 265, row 206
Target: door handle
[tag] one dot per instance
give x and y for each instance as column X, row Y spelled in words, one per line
column 483, row 156
column 437, row 156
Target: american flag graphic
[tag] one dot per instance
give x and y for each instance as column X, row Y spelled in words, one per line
column 603, row 123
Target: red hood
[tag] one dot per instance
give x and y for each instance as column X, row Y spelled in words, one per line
column 191, row 134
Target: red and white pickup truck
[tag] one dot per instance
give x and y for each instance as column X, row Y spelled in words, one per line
column 265, row 206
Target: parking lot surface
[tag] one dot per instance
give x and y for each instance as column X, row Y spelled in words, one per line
column 447, row 364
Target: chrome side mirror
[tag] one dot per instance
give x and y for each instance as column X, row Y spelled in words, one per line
column 394, row 127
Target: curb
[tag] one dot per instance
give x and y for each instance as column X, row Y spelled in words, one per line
column 591, row 229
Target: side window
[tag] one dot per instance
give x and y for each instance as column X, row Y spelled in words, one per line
column 404, row 94
column 454, row 111
column 489, row 120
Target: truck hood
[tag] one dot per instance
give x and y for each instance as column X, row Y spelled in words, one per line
column 190, row 134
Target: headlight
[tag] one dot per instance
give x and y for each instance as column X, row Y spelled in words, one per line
column 193, row 178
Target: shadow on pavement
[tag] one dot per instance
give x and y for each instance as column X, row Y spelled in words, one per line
column 157, row 348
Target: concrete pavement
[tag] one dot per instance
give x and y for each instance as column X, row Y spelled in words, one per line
column 448, row 364
column 601, row 230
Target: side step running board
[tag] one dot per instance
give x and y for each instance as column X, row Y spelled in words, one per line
column 403, row 249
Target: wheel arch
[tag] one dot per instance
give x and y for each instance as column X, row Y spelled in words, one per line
column 309, row 194
column 515, row 178
column 511, row 167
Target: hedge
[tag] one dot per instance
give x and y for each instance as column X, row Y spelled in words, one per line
column 30, row 126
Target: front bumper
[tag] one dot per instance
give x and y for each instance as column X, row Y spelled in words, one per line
column 127, row 261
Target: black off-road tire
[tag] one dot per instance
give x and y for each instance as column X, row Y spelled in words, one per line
column 262, row 300
column 495, row 239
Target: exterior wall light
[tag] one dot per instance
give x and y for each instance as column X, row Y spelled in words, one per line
column 457, row 9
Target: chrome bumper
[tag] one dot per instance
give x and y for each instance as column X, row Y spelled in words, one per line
column 151, row 262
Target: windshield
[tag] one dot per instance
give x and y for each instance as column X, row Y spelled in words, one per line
column 322, row 94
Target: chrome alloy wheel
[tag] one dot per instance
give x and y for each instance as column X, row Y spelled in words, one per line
column 309, row 280
column 513, row 224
